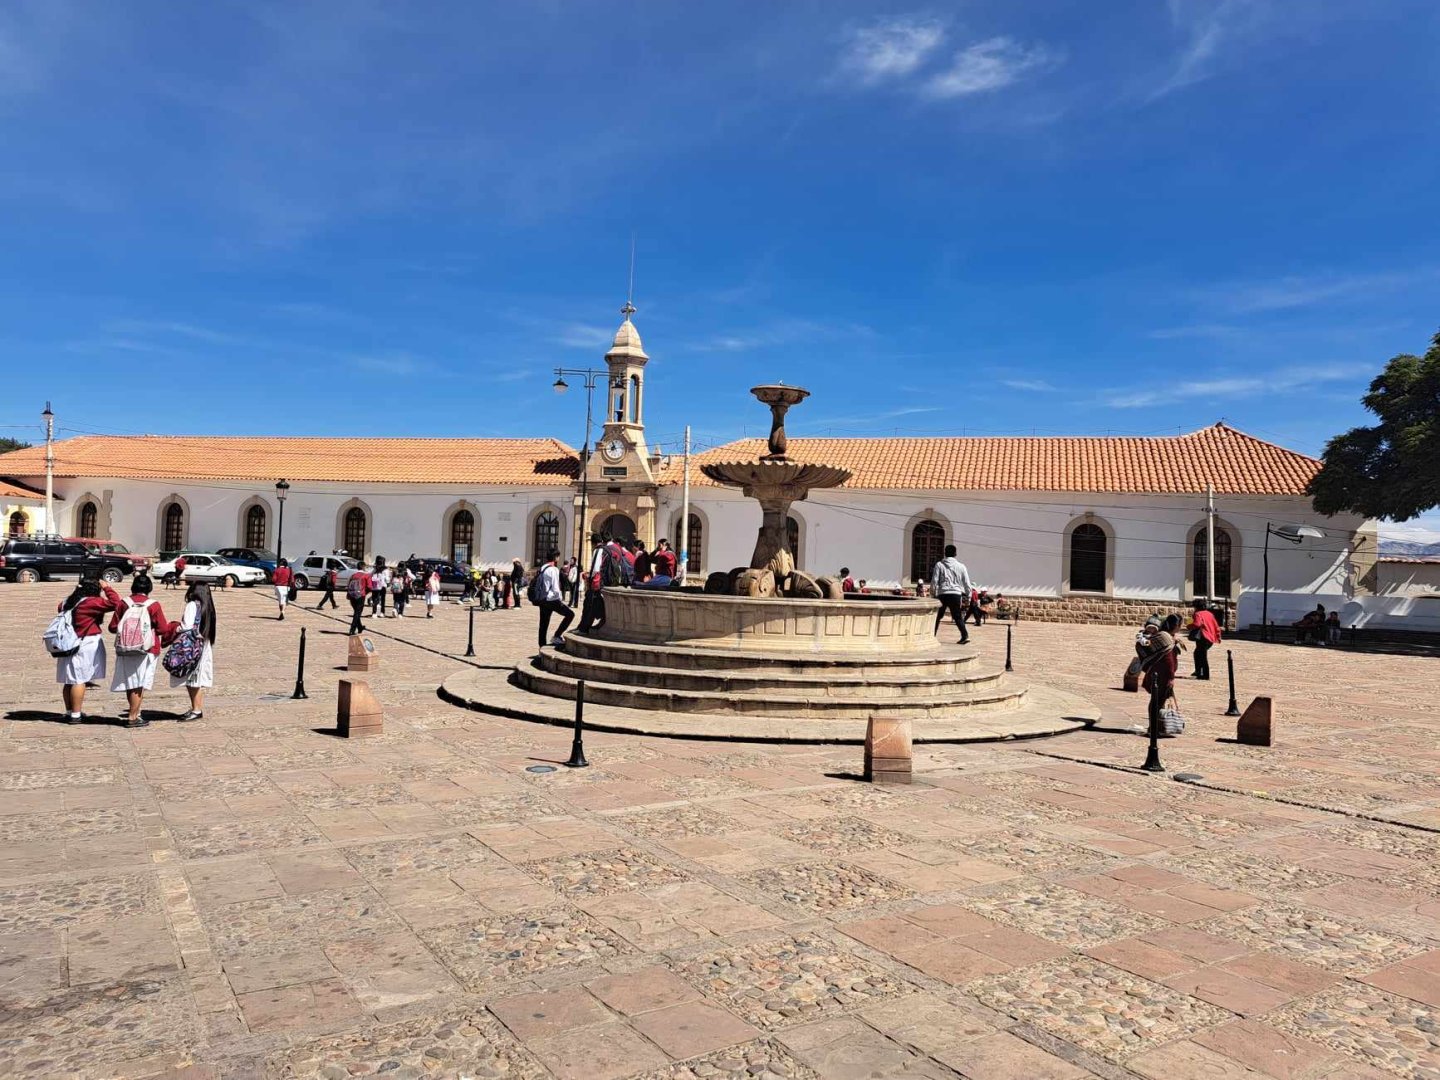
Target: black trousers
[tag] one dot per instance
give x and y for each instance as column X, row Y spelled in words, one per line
column 554, row 607
column 328, row 594
column 1202, row 659
column 954, row 603
column 401, row 599
column 358, row 607
column 377, row 601
column 593, row 612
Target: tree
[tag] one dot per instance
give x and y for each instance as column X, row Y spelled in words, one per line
column 8, row 444
column 1391, row 470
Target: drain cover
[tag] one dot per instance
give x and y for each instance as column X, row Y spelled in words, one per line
column 1188, row 777
column 540, row 768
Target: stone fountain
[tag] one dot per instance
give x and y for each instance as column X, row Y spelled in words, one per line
column 766, row 651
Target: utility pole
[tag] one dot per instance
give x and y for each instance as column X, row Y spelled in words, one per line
column 685, row 511
column 49, row 418
column 1209, row 544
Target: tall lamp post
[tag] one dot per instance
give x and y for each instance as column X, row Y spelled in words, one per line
column 282, row 488
column 1291, row 534
column 590, row 378
column 49, row 418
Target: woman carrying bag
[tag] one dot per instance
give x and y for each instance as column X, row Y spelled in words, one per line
column 87, row 606
column 191, row 659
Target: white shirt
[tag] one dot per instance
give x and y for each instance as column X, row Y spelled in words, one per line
column 550, row 582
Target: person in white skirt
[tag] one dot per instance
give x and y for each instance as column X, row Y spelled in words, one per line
column 135, row 671
column 87, row 605
column 281, row 577
column 199, row 615
column 432, row 593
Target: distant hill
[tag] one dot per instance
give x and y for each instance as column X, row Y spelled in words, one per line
column 1410, row 549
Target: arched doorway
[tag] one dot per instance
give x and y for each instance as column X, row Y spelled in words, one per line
column 173, row 532
column 255, row 527
column 462, row 537
column 619, row 527
column 545, row 538
column 927, row 547
column 89, row 519
column 354, row 532
column 19, row 523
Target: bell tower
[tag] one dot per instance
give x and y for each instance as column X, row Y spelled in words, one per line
column 624, row 406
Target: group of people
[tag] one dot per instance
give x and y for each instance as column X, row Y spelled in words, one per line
column 141, row 630
column 1317, row 628
column 1158, row 648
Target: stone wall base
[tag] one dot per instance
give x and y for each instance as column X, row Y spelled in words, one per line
column 1102, row 610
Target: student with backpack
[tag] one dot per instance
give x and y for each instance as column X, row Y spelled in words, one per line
column 283, row 578
column 546, row 594
column 76, row 639
column 400, row 583
column 140, row 628
column 356, row 590
column 327, row 582
column 432, row 593
column 379, row 584
column 191, row 659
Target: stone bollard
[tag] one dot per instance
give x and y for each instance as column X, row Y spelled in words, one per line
column 362, row 654
column 1254, row 728
column 357, row 713
column 887, row 750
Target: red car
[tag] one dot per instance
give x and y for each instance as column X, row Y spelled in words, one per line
column 110, row 547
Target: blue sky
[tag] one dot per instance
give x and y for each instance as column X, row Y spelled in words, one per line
column 982, row 217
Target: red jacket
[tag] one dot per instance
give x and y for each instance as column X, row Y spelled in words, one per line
column 665, row 563
column 88, row 615
column 1206, row 623
column 163, row 627
column 282, row 575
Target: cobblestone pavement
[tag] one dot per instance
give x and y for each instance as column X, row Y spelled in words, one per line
column 250, row 896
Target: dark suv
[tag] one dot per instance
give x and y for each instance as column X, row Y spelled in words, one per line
column 452, row 577
column 39, row 559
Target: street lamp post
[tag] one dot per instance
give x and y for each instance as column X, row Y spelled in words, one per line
column 281, row 490
column 590, row 378
column 1291, row 534
column 49, row 418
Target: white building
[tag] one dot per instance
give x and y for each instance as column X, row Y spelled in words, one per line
column 1103, row 529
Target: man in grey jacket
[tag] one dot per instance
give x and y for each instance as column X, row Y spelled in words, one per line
column 951, row 582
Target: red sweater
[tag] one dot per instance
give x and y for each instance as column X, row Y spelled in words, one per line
column 89, row 613
column 281, row 575
column 1207, row 625
column 164, row 629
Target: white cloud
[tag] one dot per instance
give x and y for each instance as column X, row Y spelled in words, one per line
column 780, row 332
column 890, row 49
column 1420, row 530
column 582, row 336
column 1239, row 386
column 988, row 65
column 1209, row 28
column 1038, row 386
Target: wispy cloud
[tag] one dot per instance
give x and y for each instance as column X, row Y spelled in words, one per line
column 821, row 422
column 164, row 328
column 1038, row 386
column 1302, row 291
column 1207, row 28
column 890, row 49
column 988, row 65
column 392, row 364
column 1238, row 386
column 582, row 336
column 781, row 332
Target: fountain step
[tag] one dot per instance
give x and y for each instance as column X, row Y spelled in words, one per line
column 739, row 679
column 855, row 705
column 945, row 660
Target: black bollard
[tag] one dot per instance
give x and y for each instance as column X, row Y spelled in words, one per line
column 300, row 671
column 470, row 644
column 577, row 747
column 1152, row 759
column 1234, row 709
column 1008, row 665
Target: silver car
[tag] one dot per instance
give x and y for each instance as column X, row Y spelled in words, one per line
column 310, row 570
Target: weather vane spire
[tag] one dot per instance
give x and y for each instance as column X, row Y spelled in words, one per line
column 629, row 308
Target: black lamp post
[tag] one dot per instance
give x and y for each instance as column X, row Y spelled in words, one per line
column 281, row 490
column 1292, row 534
column 590, row 378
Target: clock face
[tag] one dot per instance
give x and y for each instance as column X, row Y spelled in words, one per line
column 614, row 449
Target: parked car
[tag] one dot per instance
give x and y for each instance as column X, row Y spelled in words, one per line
column 259, row 557
column 110, row 547
column 311, row 568
column 452, row 575
column 210, row 568
column 35, row 558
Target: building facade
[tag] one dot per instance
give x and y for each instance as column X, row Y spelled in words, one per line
column 1093, row 529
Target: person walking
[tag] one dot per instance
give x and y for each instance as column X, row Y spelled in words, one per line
column 379, row 583
column 1205, row 633
column 199, row 615
column 140, row 628
column 283, row 579
column 1160, row 667
column 400, row 582
column 952, row 585
column 517, row 582
column 356, row 590
column 179, row 578
column 87, row 605
column 552, row 601
column 432, row 593
column 327, row 582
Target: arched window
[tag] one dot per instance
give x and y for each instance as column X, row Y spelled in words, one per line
column 1087, row 558
column 792, row 539
column 1199, row 569
column 927, row 547
column 694, row 543
column 547, row 536
column 174, row 531
column 89, row 518
column 19, row 523
column 462, row 537
column 354, row 532
column 634, row 399
column 255, row 527
column 619, row 527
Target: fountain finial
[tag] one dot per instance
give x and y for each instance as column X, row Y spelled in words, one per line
column 779, row 397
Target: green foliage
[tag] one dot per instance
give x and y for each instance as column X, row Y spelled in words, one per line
column 8, row 444
column 1391, row 470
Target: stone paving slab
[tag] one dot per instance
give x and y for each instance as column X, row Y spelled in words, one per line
column 249, row 896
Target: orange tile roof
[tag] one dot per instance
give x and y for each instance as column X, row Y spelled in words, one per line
column 13, row 489
column 519, row 462
column 1236, row 463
